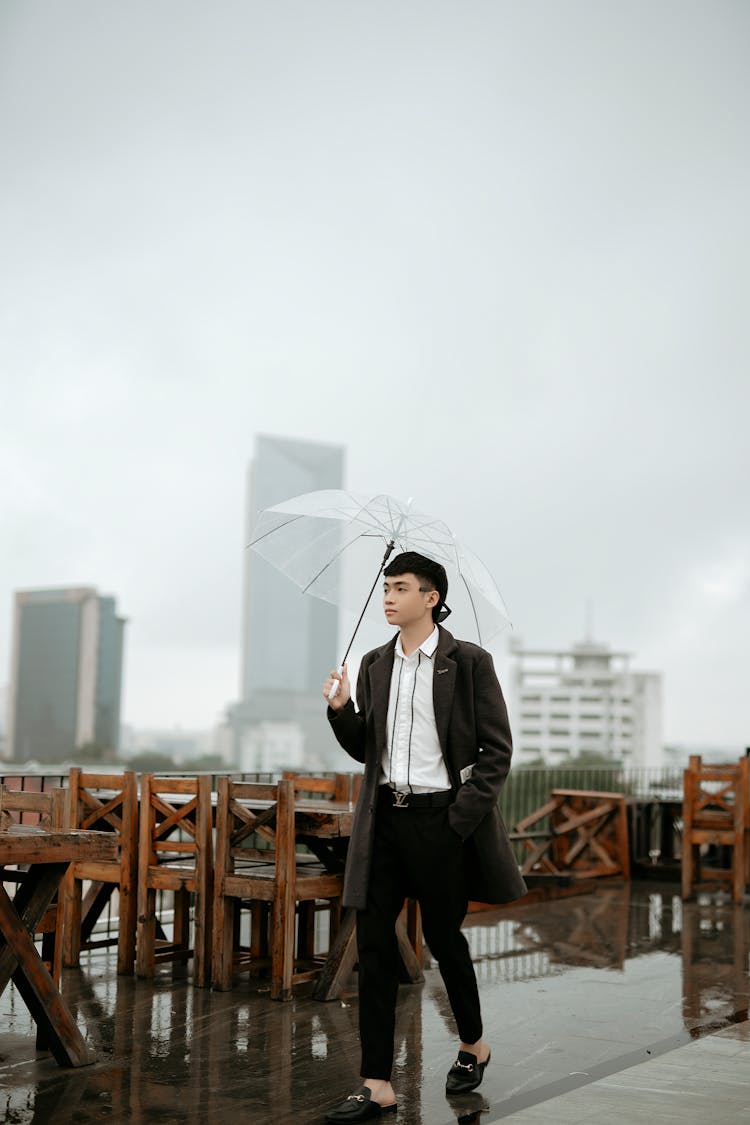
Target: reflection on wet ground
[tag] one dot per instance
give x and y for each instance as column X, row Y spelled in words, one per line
column 572, row 990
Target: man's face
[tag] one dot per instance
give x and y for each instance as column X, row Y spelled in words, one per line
column 406, row 601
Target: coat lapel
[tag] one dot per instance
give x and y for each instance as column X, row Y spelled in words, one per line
column 380, row 687
column 443, row 686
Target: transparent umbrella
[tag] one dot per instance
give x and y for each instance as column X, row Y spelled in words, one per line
column 328, row 543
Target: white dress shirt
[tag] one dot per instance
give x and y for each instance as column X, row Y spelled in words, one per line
column 412, row 759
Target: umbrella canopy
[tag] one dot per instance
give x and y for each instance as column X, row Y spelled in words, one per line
column 330, row 542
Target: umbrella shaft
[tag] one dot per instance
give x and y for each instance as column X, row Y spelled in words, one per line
column 388, row 552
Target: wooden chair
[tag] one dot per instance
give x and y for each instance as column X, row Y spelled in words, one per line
column 714, row 813
column 22, row 806
column 587, row 837
column 336, row 788
column 47, row 810
column 175, row 854
column 258, row 864
column 105, row 803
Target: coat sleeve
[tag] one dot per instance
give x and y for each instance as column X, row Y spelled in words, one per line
column 480, row 793
column 349, row 724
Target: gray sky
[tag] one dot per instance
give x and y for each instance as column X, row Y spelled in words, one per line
column 500, row 250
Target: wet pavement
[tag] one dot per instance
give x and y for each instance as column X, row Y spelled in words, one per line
column 574, row 993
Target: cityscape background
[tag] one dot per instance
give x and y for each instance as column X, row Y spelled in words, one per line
column 498, row 253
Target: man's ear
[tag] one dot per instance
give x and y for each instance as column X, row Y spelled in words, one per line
column 433, row 598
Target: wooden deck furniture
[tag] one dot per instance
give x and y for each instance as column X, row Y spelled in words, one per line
column 175, row 854
column 586, row 837
column 47, row 810
column 107, row 803
column 24, row 806
column 259, row 864
column 336, row 788
column 47, row 854
column 714, row 814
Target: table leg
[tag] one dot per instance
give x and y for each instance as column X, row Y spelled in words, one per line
column 31, row 902
column 47, row 1007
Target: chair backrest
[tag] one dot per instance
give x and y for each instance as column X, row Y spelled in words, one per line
column 106, row 803
column 175, row 819
column 20, row 806
column 715, row 796
column 336, row 788
column 254, row 822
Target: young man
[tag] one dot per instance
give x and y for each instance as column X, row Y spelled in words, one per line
column 432, row 730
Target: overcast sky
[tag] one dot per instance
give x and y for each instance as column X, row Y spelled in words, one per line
column 499, row 250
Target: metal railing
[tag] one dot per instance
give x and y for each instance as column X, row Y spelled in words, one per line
column 526, row 789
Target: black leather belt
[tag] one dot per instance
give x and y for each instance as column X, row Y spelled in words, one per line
column 403, row 800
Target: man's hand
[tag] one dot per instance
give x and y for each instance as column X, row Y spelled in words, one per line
column 344, row 692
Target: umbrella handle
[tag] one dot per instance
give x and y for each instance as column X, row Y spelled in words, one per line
column 334, row 690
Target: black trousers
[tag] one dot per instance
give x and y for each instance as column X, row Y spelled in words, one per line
column 416, row 855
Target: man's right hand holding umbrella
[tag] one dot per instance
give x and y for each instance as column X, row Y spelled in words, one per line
column 343, row 692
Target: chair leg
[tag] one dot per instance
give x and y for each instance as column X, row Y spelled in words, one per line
column 146, row 937
column 687, row 869
column 181, row 931
column 72, row 896
column 738, row 870
column 202, row 939
column 225, row 916
column 128, row 914
column 282, row 947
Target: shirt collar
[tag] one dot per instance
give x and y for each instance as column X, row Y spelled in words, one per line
column 427, row 646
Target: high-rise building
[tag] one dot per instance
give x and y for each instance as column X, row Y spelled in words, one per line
column 585, row 698
column 289, row 639
column 65, row 673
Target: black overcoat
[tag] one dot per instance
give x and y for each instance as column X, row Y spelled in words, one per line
column 472, row 725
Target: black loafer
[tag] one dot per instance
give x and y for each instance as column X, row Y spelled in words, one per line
column 359, row 1106
column 466, row 1073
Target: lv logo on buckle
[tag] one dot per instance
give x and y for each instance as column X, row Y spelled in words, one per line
column 402, row 801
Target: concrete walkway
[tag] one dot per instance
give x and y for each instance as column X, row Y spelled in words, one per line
column 706, row 1082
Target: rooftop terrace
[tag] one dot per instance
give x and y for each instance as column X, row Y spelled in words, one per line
column 625, row 1001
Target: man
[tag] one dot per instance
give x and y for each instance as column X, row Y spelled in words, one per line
column 432, row 730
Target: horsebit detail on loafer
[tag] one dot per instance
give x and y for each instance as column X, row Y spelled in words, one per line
column 356, row 1098
column 464, row 1066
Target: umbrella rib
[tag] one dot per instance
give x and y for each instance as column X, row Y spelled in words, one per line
column 330, row 562
column 292, row 519
column 473, row 607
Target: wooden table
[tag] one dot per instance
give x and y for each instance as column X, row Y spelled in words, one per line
column 48, row 855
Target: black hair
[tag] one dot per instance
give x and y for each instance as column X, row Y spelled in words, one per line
column 426, row 570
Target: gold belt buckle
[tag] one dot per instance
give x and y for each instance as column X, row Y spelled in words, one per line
column 401, row 799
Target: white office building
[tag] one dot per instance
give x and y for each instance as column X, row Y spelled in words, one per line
column 585, row 698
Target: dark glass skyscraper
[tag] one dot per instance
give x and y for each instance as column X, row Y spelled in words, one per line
column 66, row 673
